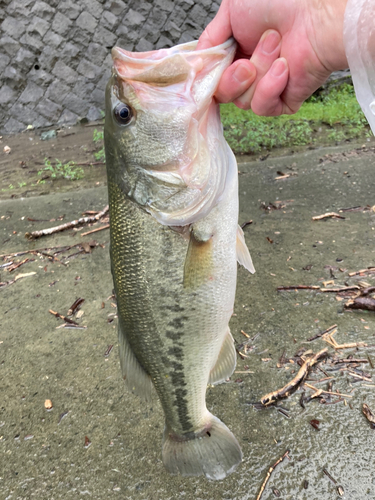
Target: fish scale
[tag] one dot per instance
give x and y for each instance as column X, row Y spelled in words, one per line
column 139, row 269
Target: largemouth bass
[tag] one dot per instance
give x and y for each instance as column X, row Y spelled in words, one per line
column 175, row 242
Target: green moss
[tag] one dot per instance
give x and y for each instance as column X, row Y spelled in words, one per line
column 329, row 118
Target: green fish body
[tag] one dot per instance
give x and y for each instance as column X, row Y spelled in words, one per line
column 175, row 242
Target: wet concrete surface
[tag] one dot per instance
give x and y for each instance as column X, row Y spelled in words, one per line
column 43, row 453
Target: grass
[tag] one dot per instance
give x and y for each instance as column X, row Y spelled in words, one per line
column 98, row 137
column 4, row 190
column 69, row 170
column 326, row 119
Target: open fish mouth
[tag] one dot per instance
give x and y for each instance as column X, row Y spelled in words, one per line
column 165, row 101
column 166, row 66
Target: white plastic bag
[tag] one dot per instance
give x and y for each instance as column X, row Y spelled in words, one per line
column 359, row 39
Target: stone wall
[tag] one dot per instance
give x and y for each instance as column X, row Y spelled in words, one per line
column 55, row 55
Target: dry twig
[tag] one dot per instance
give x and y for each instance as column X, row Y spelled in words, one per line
column 19, row 264
column 64, row 318
column 362, row 271
column 328, row 215
column 75, row 306
column 368, row 414
column 342, row 289
column 241, row 354
column 282, row 175
column 322, row 333
column 327, row 392
column 37, row 250
column 270, row 470
column 245, row 224
column 351, row 360
column 329, row 476
column 328, row 337
column 95, row 230
column 297, row 287
column 68, row 225
column 292, row 386
column 356, row 375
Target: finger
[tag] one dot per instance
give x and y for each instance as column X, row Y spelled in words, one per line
column 267, row 99
column 235, row 80
column 265, row 53
column 218, row 31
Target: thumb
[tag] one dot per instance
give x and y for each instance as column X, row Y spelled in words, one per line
column 218, row 31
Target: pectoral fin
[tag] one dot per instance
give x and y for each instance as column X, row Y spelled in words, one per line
column 198, row 262
column 136, row 379
column 226, row 362
column 243, row 254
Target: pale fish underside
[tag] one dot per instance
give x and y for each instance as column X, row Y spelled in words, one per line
column 175, row 242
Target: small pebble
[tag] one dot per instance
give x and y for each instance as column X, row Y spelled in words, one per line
column 48, row 404
column 340, row 490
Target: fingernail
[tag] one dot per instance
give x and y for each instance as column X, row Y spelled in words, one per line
column 270, row 42
column 278, row 67
column 242, row 73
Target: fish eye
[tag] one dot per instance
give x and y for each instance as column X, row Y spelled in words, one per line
column 123, row 113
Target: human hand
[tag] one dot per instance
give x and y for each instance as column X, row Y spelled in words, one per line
column 286, row 50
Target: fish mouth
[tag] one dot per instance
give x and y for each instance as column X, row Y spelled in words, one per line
column 166, row 67
column 156, row 55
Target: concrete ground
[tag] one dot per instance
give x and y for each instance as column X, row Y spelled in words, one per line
column 99, row 441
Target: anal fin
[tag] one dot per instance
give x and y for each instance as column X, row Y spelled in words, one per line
column 226, row 362
column 136, row 378
column 243, row 254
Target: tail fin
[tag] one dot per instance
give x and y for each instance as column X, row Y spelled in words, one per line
column 215, row 452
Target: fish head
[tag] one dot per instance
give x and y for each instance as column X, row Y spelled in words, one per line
column 158, row 105
column 155, row 101
column 149, row 119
